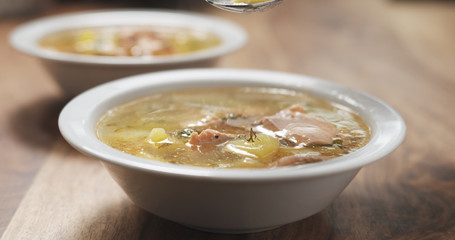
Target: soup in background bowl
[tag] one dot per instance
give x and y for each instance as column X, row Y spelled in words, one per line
column 82, row 50
column 229, row 200
column 130, row 41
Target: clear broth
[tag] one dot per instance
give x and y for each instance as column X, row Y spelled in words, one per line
column 128, row 127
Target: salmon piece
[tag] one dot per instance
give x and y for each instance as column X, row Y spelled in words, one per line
column 299, row 159
column 295, row 126
column 209, row 137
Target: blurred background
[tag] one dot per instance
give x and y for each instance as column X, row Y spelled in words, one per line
column 402, row 51
column 15, row 8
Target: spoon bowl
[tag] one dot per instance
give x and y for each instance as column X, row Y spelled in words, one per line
column 232, row 6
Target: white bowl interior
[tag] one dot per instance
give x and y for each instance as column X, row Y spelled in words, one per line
column 79, row 117
column 25, row 38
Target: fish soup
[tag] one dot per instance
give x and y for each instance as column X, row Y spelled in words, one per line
column 130, row 41
column 233, row 128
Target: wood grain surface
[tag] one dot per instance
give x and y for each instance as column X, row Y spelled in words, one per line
column 400, row 51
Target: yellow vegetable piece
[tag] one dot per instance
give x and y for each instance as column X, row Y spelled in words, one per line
column 157, row 135
column 261, row 147
column 87, row 35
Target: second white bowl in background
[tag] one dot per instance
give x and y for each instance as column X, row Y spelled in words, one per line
column 78, row 72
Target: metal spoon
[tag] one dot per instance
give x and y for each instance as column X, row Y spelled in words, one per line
column 232, row 6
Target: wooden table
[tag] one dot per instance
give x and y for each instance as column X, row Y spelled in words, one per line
column 400, row 51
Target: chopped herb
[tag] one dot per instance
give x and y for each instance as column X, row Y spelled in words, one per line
column 186, row 133
column 337, row 142
column 252, row 136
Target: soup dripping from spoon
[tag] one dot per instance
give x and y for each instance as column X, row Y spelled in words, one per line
column 244, row 6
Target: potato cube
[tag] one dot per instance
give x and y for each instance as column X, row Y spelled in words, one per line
column 157, row 135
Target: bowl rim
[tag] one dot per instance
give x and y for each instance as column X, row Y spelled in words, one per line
column 24, row 37
column 78, row 118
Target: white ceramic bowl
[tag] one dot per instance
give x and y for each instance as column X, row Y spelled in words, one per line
column 78, row 72
column 228, row 200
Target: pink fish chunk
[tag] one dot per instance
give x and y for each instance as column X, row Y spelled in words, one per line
column 297, row 127
column 209, row 137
